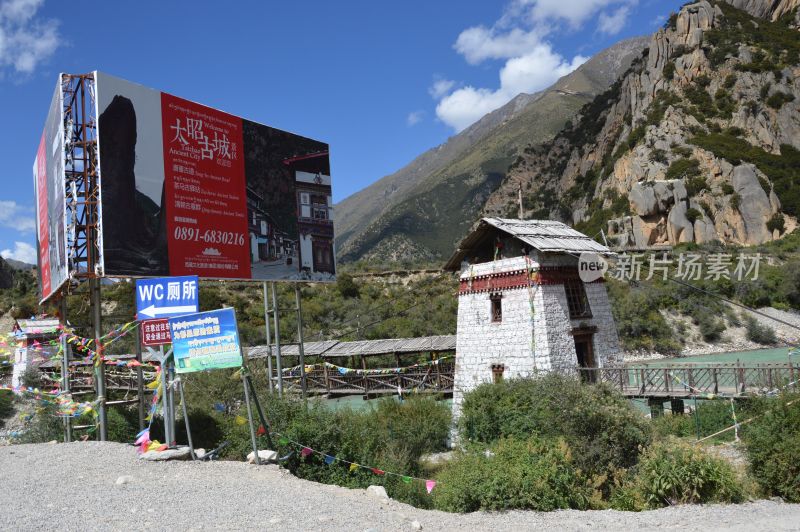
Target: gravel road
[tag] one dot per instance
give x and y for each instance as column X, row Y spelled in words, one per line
column 74, row 487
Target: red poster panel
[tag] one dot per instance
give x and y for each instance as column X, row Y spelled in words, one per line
column 156, row 332
column 206, row 198
column 40, row 169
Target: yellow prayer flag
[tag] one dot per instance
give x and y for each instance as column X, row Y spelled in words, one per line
column 353, row 467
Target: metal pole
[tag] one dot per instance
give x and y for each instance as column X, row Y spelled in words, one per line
column 300, row 349
column 139, row 377
column 186, row 420
column 171, row 398
column 278, row 362
column 250, row 420
column 100, row 367
column 270, row 384
column 65, row 365
column 164, row 394
column 260, row 411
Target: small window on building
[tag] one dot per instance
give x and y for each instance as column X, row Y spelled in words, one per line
column 497, row 372
column 497, row 308
column 577, row 301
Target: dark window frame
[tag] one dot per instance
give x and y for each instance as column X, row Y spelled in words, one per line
column 577, row 300
column 496, row 308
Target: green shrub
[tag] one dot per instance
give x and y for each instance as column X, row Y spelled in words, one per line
column 673, row 472
column 772, row 443
column 696, row 185
column 118, row 427
column 778, row 99
column 599, row 425
column 693, row 215
column 759, row 333
column 521, row 475
column 45, row 426
column 777, row 222
column 730, row 81
column 711, row 328
column 669, row 70
column 6, row 405
column 683, row 169
column 31, row 378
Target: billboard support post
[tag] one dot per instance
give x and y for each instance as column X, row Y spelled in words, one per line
column 179, row 382
column 256, row 458
column 139, row 377
column 65, row 365
column 300, row 349
column 278, row 362
column 269, row 341
column 100, row 367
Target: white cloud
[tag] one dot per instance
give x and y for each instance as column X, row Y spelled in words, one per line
column 441, row 87
column 25, row 40
column 520, row 38
column 574, row 12
column 613, row 23
column 414, row 118
column 17, row 216
column 22, row 251
column 532, row 72
column 480, row 43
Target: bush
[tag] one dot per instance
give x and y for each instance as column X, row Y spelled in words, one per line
column 45, row 426
column 778, row 99
column 31, row 378
column 759, row 333
column 522, row 475
column 6, row 406
column 693, row 215
column 391, row 436
column 772, row 443
column 118, row 427
column 599, row 425
column 673, row 472
column 683, row 169
column 777, row 222
column 710, row 327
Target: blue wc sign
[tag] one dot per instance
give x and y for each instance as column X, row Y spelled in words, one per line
column 167, row 296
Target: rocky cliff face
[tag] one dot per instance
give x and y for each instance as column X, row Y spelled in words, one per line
column 699, row 141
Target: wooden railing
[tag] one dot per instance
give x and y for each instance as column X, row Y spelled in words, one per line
column 328, row 381
column 726, row 380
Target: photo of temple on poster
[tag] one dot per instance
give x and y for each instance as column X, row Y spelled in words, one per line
column 190, row 190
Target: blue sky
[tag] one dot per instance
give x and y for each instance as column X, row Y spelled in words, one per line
column 380, row 81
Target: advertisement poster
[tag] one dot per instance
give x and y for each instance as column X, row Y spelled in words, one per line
column 190, row 190
column 205, row 341
column 49, row 188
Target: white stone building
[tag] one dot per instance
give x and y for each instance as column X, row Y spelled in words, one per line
column 523, row 308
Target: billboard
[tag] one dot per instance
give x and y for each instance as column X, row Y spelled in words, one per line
column 205, row 341
column 190, row 190
column 49, row 190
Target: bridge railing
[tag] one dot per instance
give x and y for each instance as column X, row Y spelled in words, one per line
column 329, row 381
column 688, row 380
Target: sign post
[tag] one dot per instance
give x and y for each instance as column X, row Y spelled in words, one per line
column 157, row 300
column 210, row 340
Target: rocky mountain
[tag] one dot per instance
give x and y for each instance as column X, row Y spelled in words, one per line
column 424, row 208
column 698, row 141
column 19, row 265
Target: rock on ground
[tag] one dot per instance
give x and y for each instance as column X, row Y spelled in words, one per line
column 180, row 495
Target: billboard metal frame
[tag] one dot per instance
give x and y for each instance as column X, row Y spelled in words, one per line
column 82, row 176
